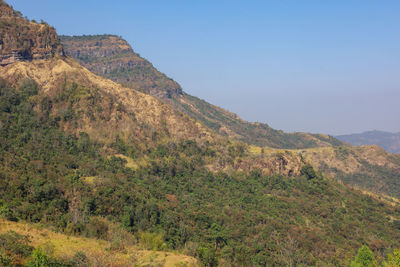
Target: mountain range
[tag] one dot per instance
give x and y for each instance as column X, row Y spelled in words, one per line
column 389, row 141
column 112, row 157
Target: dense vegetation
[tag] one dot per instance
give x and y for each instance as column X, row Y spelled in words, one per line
column 68, row 181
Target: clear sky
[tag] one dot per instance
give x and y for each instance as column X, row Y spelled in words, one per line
column 318, row 66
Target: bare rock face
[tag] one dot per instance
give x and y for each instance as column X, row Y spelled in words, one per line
column 112, row 57
column 23, row 40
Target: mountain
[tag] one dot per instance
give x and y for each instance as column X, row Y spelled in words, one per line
column 100, row 164
column 389, row 141
column 112, row 57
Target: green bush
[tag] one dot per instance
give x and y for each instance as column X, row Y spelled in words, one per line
column 14, row 247
column 393, row 259
column 308, row 171
column 39, row 259
column 364, row 258
column 152, row 241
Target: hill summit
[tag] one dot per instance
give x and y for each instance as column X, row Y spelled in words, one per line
column 23, row 40
column 112, row 57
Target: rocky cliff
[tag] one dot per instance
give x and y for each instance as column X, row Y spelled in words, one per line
column 23, row 40
column 113, row 58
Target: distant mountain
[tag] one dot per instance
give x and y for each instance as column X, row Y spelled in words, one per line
column 389, row 141
column 112, row 57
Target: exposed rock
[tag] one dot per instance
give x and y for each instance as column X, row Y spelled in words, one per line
column 112, row 57
column 23, row 40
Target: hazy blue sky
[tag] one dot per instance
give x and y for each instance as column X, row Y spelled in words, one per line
column 315, row 66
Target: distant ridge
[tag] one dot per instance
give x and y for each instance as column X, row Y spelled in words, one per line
column 112, row 57
column 387, row 140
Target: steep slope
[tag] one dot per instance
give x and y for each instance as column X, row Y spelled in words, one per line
column 97, row 103
column 112, row 57
column 367, row 167
column 389, row 141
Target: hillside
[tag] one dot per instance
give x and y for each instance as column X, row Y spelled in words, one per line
column 237, row 218
column 112, row 57
column 388, row 141
column 100, row 53
column 119, row 248
column 90, row 160
column 366, row 167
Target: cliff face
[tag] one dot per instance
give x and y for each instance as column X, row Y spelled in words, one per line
column 22, row 40
column 113, row 58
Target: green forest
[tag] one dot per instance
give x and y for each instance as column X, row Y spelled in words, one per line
column 67, row 182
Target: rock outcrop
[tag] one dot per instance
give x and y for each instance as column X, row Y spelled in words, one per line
column 23, row 40
column 112, row 57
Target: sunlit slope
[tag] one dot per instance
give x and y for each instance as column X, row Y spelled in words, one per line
column 368, row 167
column 105, row 108
column 99, row 252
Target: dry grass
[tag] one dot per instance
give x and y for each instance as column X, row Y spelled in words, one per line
column 97, row 251
column 149, row 112
column 130, row 163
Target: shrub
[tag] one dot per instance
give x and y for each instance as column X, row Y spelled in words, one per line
column 364, row 258
column 308, row 171
column 39, row 259
column 14, row 246
column 152, row 241
column 393, row 259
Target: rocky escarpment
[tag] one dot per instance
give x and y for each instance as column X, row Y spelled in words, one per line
column 112, row 57
column 23, row 40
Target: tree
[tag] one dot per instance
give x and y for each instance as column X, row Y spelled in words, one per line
column 308, row 171
column 393, row 259
column 39, row 259
column 208, row 256
column 364, row 258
